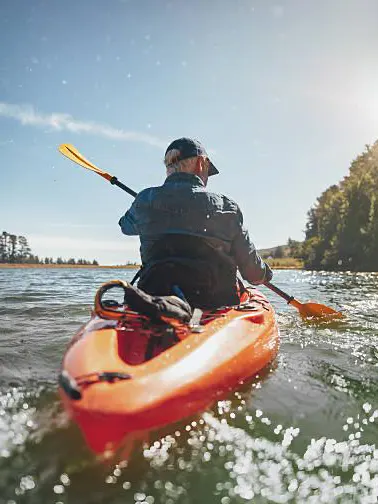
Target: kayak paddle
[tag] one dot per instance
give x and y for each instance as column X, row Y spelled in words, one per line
column 70, row 152
column 315, row 310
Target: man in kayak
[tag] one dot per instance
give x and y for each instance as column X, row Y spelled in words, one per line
column 192, row 240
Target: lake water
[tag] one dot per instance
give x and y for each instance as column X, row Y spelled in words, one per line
column 304, row 431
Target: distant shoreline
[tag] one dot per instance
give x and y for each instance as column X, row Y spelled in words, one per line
column 70, row 266
column 93, row 266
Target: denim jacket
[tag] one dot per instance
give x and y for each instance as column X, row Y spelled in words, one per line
column 183, row 205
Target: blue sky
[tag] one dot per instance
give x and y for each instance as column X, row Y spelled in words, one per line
column 283, row 94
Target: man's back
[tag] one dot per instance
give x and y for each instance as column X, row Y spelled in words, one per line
column 189, row 235
column 182, row 205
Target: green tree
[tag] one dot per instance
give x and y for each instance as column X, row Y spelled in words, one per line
column 278, row 252
column 24, row 251
column 295, row 248
column 342, row 228
column 12, row 254
column 4, row 247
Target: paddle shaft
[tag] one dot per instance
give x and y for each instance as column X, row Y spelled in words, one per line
column 116, row 182
column 280, row 292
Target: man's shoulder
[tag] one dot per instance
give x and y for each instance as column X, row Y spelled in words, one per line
column 146, row 193
column 226, row 202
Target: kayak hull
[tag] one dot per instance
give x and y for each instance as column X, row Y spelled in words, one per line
column 232, row 345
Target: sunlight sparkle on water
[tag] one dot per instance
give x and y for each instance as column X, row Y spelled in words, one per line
column 270, row 469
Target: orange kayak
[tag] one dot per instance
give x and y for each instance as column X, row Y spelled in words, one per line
column 123, row 372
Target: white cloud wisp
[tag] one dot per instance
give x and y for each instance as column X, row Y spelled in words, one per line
column 27, row 115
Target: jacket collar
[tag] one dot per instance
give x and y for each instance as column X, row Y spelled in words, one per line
column 186, row 178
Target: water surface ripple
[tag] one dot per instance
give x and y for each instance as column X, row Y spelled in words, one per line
column 304, row 431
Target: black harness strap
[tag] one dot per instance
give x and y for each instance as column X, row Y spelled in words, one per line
column 136, row 276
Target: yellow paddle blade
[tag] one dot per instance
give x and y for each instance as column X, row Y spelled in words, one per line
column 316, row 310
column 72, row 153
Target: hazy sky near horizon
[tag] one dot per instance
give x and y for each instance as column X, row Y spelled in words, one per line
column 284, row 94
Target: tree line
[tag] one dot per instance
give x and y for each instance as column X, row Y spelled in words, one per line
column 16, row 249
column 342, row 227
